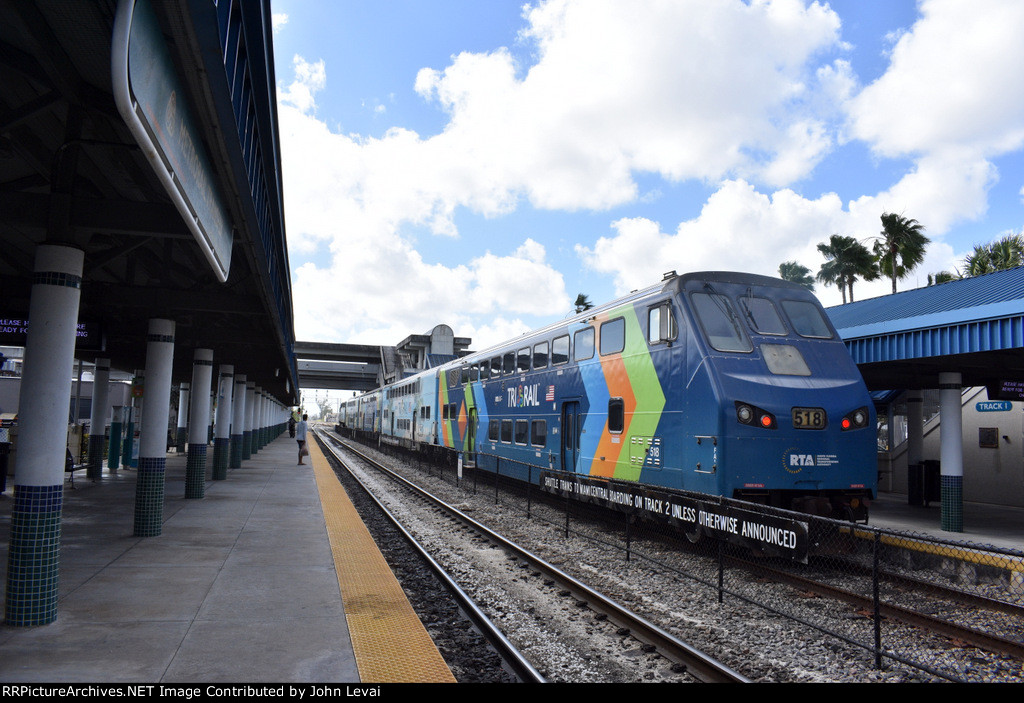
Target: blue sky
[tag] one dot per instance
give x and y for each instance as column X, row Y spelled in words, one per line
column 479, row 163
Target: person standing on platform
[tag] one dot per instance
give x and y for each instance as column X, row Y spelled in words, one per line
column 300, row 437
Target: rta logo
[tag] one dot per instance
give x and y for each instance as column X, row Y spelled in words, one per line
column 794, row 462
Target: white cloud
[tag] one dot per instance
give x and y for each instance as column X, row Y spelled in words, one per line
column 954, row 82
column 278, row 20
column 942, row 190
column 742, row 229
column 616, row 89
column 374, row 286
column 309, row 79
column 738, row 229
column 619, row 88
column 747, row 95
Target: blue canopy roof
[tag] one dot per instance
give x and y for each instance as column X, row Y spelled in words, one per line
column 959, row 319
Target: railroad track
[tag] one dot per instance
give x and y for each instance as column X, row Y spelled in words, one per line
column 653, row 639
column 512, row 660
column 909, row 616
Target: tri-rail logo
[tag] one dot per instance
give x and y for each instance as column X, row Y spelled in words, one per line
column 794, row 461
column 523, row 396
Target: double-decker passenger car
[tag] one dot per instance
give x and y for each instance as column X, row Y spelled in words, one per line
column 722, row 383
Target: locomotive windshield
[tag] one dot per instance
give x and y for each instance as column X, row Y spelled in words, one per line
column 807, row 319
column 721, row 326
column 763, row 316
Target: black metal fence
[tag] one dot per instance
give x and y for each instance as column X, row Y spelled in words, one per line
column 948, row 609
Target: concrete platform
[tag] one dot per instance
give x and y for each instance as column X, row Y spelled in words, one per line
column 240, row 587
column 996, row 525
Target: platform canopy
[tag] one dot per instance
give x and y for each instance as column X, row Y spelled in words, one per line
column 73, row 172
column 974, row 326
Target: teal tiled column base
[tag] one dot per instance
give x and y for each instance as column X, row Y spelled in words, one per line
column 952, row 503
column 246, row 445
column 235, row 460
column 255, row 442
column 195, row 471
column 94, row 470
column 34, row 556
column 221, row 453
column 149, row 497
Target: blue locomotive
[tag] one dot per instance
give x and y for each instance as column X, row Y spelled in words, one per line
column 721, row 383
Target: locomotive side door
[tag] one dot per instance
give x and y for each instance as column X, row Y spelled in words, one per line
column 570, row 435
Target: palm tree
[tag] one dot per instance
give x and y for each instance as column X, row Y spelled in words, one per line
column 901, row 246
column 582, row 303
column 1008, row 252
column 1002, row 254
column 979, row 261
column 792, row 271
column 846, row 260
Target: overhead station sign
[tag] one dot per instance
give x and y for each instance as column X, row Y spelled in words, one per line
column 14, row 333
column 149, row 97
column 1006, row 389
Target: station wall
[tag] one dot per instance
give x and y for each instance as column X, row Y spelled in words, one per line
column 993, row 452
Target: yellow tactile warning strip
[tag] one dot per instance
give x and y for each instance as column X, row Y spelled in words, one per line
column 391, row 645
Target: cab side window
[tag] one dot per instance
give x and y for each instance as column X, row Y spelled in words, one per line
column 661, row 324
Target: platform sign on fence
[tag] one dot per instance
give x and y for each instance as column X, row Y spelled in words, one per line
column 768, row 534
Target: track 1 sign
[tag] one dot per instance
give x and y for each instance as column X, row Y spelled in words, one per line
column 993, row 406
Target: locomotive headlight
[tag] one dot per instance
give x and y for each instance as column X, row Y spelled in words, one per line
column 744, row 413
column 856, row 420
column 747, row 414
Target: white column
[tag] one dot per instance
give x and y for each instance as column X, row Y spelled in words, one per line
column 199, row 424
column 156, row 412
column 952, row 451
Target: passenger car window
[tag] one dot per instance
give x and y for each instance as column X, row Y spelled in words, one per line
column 583, row 341
column 613, row 336
column 560, row 350
column 539, row 433
column 522, row 431
column 523, row 360
column 540, row 355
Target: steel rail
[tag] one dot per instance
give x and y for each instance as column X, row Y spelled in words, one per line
column 982, row 640
column 511, row 657
column 698, row 664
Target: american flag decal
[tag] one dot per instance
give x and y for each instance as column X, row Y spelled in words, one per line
column 550, row 394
